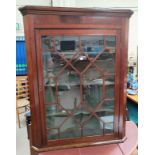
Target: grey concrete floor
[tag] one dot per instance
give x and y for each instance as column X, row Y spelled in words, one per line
column 22, row 142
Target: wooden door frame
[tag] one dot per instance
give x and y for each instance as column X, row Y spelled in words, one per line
column 42, row 32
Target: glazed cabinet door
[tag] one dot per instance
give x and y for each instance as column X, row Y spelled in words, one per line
column 78, row 77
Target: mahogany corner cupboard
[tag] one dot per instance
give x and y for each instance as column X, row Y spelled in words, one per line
column 77, row 69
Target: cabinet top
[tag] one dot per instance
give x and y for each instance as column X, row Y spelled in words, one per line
column 44, row 10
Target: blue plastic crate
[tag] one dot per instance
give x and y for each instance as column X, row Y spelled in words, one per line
column 21, row 65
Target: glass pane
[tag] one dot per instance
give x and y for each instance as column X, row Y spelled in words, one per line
column 70, row 129
column 106, row 114
column 92, row 127
column 52, row 134
column 92, row 45
column 50, row 93
column 80, row 62
column 93, row 84
column 107, row 123
column 79, row 90
column 82, row 114
column 54, row 116
column 67, row 45
column 110, row 42
column 47, row 42
column 52, row 64
column 109, row 84
column 106, row 62
column 69, row 89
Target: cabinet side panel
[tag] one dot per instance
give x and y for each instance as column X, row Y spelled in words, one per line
column 33, row 81
column 123, row 76
column 117, row 83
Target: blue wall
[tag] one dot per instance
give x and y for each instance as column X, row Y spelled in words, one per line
column 21, row 65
